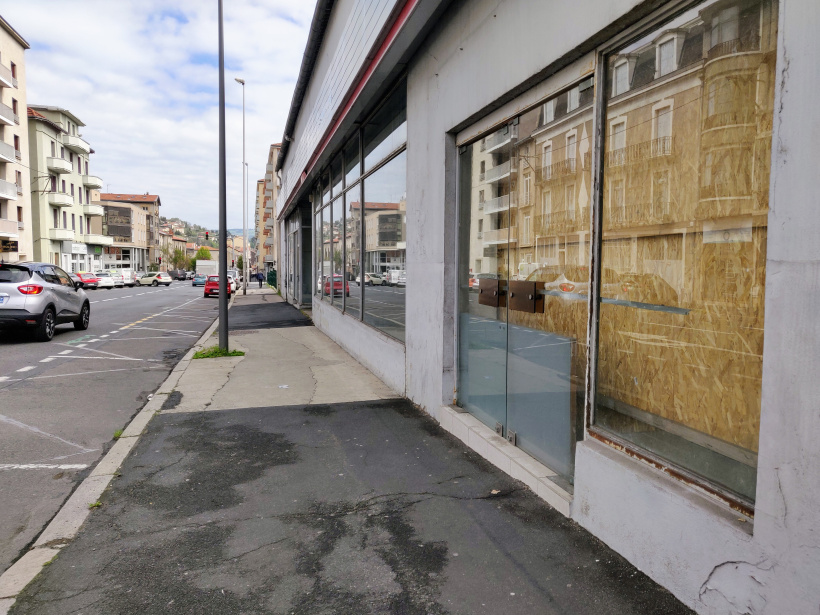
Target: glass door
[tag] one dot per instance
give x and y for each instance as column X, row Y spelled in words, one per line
column 485, row 181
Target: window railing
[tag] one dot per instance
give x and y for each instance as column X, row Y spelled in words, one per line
column 500, row 203
column 558, row 169
column 496, row 172
column 736, row 45
column 496, row 139
column 662, row 146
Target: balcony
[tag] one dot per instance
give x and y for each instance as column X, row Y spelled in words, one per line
column 270, row 223
column 558, row 169
column 92, row 181
column 60, row 234
column 269, row 258
column 76, row 144
column 269, row 192
column 90, row 209
column 661, row 146
column 496, row 173
column 498, row 204
column 98, row 240
column 60, row 199
column 7, row 152
column 746, row 45
column 499, row 236
column 58, row 165
column 498, row 140
column 6, row 79
column 8, row 116
column 269, row 241
column 8, row 190
column 8, row 229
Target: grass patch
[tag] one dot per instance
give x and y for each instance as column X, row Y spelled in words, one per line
column 215, row 351
column 96, row 504
column 117, row 434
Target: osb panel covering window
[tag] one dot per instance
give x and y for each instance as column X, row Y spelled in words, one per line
column 685, row 210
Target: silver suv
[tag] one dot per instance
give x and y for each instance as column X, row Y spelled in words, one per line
column 40, row 296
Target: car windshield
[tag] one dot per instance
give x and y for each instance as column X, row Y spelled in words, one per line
column 102, row 275
column 13, row 274
column 213, row 278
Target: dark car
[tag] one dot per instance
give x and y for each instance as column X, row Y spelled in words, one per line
column 40, row 296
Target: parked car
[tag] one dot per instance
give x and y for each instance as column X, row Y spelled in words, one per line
column 212, row 286
column 104, row 279
column 340, row 286
column 178, row 274
column 199, row 279
column 40, row 296
column 397, row 277
column 119, row 281
column 89, row 280
column 155, row 278
column 232, row 283
column 191, row 275
column 371, row 279
column 129, row 279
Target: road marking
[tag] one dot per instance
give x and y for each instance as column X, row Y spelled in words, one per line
column 96, row 339
column 81, row 345
column 66, row 352
column 95, row 301
column 99, row 371
column 32, row 429
column 3, row 378
column 113, row 332
column 27, row 368
column 106, row 335
column 48, row 359
column 43, row 466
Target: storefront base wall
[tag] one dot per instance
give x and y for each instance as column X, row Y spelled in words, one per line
column 378, row 352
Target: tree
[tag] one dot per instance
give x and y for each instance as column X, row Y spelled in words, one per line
column 203, row 254
column 239, row 263
column 178, row 259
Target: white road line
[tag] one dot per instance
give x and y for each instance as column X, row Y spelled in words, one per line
column 66, row 352
column 126, row 296
column 40, row 432
column 99, row 371
column 106, row 335
column 27, row 368
column 113, row 354
column 43, row 466
column 113, row 332
column 96, row 339
column 95, row 301
column 103, row 358
column 48, row 359
column 3, row 378
column 81, row 345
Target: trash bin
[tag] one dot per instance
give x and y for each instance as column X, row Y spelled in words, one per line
column 272, row 278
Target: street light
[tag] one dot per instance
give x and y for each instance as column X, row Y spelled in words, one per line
column 244, row 198
column 223, row 221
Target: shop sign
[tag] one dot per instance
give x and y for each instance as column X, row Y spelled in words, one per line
column 8, row 245
column 79, row 248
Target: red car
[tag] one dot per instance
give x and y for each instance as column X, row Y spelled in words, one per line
column 340, row 286
column 212, row 286
column 89, row 280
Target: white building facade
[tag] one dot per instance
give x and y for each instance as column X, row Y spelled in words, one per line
column 606, row 217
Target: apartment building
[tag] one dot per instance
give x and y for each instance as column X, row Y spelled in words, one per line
column 132, row 222
column 267, row 232
column 61, row 191
column 15, row 208
column 596, row 301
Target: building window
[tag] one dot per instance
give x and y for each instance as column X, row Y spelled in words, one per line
column 56, row 218
column 548, row 114
column 14, row 106
column 73, row 222
column 65, row 219
column 62, row 153
column 14, row 70
column 666, row 58
column 569, row 201
column 690, row 398
column 527, row 187
column 81, row 226
column 53, row 149
column 620, row 80
column 573, row 98
column 618, row 141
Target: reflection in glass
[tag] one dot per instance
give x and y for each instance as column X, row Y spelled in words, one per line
column 336, row 176
column 326, row 247
column 317, row 253
column 384, row 212
column 685, row 207
column 386, row 131
column 338, row 286
column 353, row 165
column 325, row 188
column 353, row 251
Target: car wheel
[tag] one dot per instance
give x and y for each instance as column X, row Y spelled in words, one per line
column 168, row 284
column 45, row 330
column 206, row 295
column 154, row 283
column 81, row 324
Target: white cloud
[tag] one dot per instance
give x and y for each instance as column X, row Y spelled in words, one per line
column 142, row 76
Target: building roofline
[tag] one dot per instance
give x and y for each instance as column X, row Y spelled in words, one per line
column 36, row 115
column 14, row 33
column 73, row 117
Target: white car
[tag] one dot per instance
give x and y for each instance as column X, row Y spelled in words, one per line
column 371, row 279
column 232, row 282
column 155, row 278
column 105, row 280
column 119, row 281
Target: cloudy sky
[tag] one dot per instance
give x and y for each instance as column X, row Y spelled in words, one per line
column 143, row 76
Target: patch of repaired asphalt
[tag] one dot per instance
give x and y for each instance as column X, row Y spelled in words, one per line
column 172, row 401
column 358, row 508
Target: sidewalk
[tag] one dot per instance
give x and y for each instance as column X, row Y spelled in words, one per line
column 291, row 480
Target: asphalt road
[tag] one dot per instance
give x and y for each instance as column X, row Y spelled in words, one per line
column 384, row 306
column 62, row 401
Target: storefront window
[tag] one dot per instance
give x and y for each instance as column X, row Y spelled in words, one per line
column 385, row 214
column 386, row 131
column 685, row 209
column 337, row 234
column 336, row 178
column 317, row 253
column 353, row 251
column 327, row 223
column 352, row 161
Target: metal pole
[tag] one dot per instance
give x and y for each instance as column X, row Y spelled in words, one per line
column 244, row 201
column 223, row 220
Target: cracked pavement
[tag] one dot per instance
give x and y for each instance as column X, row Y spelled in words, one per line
column 357, row 506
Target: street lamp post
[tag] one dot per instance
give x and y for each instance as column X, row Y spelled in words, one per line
column 244, row 198
column 223, row 219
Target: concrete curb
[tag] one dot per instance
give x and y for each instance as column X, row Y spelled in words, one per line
column 69, row 519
